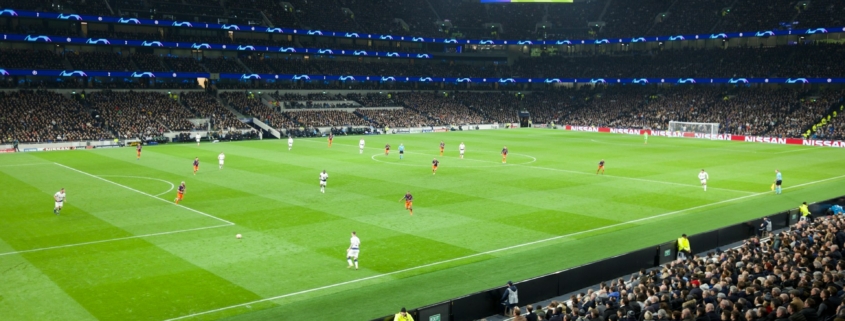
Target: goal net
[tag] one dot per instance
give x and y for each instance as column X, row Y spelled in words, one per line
column 697, row 130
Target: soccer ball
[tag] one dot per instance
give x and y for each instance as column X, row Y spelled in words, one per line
column 238, row 236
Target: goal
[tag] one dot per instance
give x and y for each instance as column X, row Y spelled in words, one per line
column 697, row 130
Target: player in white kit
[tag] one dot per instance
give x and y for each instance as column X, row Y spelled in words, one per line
column 59, row 197
column 361, row 146
column 462, row 147
column 352, row 251
column 323, row 178
column 199, row 136
column 703, row 178
column 220, row 159
column 290, row 142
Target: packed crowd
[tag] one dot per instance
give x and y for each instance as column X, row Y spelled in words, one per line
column 693, row 16
column 250, row 105
column 184, row 64
column 793, row 275
column 374, row 99
column 783, row 112
column 223, row 64
column 139, row 114
column 278, row 14
column 256, row 64
column 833, row 130
column 325, row 118
column 110, row 61
column 816, row 60
column 42, row 116
column 205, row 106
column 403, row 117
column 441, row 108
column 30, row 59
column 148, row 62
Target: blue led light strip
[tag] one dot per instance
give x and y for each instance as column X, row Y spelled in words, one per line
column 283, row 77
column 202, row 25
column 206, row 46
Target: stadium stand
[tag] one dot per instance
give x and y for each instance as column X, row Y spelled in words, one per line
column 256, row 64
column 42, row 116
column 100, row 61
column 325, row 118
column 570, row 22
column 689, row 17
column 395, row 117
column 441, row 108
column 223, row 64
column 140, row 114
column 761, row 279
column 252, row 106
column 821, row 13
column 783, row 112
column 296, row 101
column 374, row 99
column 29, row 59
column 518, row 21
column 185, row 64
column 760, row 15
column 378, row 17
column 148, row 62
column 206, row 106
column 324, row 15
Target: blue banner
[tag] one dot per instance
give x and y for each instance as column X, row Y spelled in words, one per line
column 291, row 77
column 636, row 81
column 206, row 46
column 98, row 73
column 232, row 27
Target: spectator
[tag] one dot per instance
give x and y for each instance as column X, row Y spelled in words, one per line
column 530, row 315
column 765, row 227
column 517, row 314
column 510, row 297
column 403, row 315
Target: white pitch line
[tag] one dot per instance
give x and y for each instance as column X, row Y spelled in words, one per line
column 149, row 178
column 33, row 164
column 112, row 240
column 143, row 193
column 797, row 150
column 487, row 252
column 580, row 173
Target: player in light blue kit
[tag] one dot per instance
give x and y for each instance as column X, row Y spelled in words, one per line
column 778, row 182
column 401, row 150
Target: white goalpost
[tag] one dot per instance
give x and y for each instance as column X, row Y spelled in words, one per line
column 700, row 130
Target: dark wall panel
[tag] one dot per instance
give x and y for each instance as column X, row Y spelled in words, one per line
column 735, row 233
column 538, row 289
column 442, row 310
column 704, row 241
column 477, row 306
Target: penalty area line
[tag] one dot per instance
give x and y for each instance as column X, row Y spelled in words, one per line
column 488, row 252
column 143, row 193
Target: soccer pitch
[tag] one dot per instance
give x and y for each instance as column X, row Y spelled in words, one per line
column 121, row 250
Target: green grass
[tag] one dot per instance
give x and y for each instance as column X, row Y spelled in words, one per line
column 118, row 252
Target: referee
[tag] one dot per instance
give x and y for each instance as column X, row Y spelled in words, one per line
column 778, row 182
